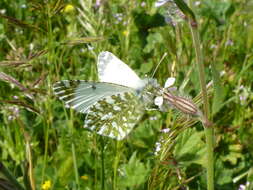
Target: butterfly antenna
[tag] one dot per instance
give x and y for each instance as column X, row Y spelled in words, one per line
column 164, row 55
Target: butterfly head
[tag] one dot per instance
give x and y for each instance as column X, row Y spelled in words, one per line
column 148, row 91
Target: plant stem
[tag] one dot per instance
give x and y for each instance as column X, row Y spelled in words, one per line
column 205, row 121
column 46, row 132
column 199, row 61
column 27, row 138
column 210, row 161
column 116, row 163
column 103, row 164
column 75, row 165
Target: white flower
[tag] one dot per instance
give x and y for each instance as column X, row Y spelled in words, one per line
column 160, row 3
column 118, row 16
column 229, row 43
column 153, row 118
column 157, row 147
column 158, row 101
column 197, row 3
column 244, row 187
column 23, row 6
column 169, row 82
column 90, row 48
column 13, row 112
column 213, row 46
column 143, row 3
column 31, row 46
column 244, row 93
column 98, row 3
column 166, row 130
column 15, row 97
column 2, row 11
column 222, row 73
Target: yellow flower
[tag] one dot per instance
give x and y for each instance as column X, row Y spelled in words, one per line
column 85, row 177
column 125, row 33
column 46, row 185
column 68, row 8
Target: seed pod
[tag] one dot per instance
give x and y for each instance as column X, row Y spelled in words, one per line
column 182, row 104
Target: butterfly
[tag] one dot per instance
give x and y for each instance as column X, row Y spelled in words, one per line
column 115, row 104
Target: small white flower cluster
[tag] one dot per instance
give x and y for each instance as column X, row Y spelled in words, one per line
column 166, row 130
column 244, row 94
column 14, row 112
column 157, row 148
column 118, row 17
column 158, row 145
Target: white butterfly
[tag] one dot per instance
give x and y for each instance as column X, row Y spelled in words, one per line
column 114, row 104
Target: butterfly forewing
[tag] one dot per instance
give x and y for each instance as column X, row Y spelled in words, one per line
column 80, row 95
column 113, row 70
column 114, row 116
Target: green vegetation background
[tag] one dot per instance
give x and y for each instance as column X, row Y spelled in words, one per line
column 43, row 144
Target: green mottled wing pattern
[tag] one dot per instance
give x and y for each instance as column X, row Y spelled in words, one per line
column 115, row 116
column 80, row 95
column 112, row 110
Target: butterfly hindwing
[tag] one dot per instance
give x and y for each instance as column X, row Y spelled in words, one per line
column 80, row 95
column 114, row 116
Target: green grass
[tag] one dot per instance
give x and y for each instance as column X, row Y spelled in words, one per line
column 41, row 141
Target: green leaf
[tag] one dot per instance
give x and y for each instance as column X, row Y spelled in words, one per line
column 250, row 177
column 66, row 166
column 152, row 40
column 218, row 90
column 190, row 148
column 146, row 67
column 134, row 173
column 234, row 154
column 223, row 175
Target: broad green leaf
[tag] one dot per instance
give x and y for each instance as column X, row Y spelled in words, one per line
column 146, row 67
column 152, row 40
column 190, row 147
column 134, row 173
column 223, row 175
